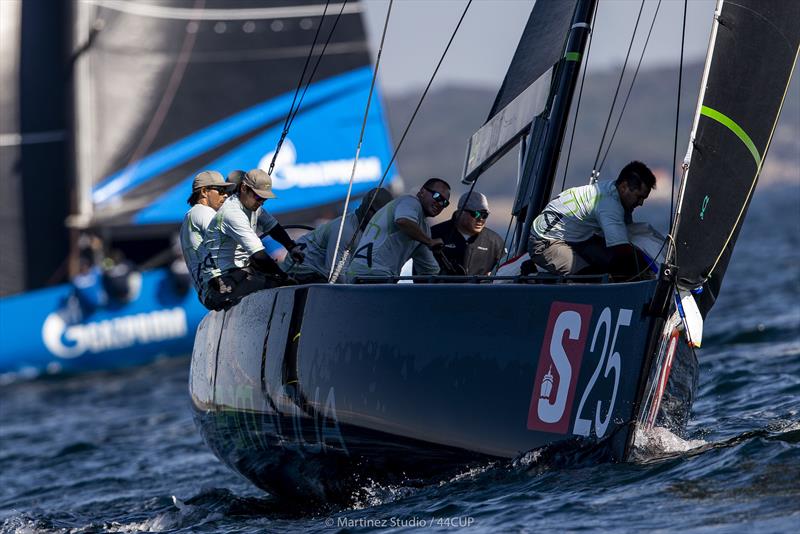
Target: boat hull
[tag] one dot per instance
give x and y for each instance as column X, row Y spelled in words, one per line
column 45, row 331
column 313, row 390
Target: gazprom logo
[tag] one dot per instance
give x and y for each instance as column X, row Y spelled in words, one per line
column 71, row 341
column 288, row 173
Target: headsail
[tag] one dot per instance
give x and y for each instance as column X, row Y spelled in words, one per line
column 750, row 63
column 526, row 87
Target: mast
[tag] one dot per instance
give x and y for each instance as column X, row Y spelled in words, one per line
column 541, row 161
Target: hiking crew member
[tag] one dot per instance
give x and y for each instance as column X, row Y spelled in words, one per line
column 469, row 247
column 321, row 242
column 209, row 191
column 582, row 231
column 399, row 231
column 236, row 263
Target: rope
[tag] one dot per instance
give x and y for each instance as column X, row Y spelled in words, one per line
column 336, row 269
column 578, row 105
column 630, row 89
column 677, row 117
column 616, row 93
column 410, row 122
column 293, row 109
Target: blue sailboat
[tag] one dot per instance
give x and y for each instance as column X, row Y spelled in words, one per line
column 157, row 93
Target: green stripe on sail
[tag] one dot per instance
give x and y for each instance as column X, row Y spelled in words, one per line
column 735, row 128
column 572, row 56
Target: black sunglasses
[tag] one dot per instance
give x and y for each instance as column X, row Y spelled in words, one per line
column 220, row 190
column 258, row 198
column 478, row 214
column 438, row 197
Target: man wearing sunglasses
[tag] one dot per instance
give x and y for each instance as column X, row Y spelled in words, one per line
column 236, row 263
column 400, row 231
column 469, row 247
column 209, row 191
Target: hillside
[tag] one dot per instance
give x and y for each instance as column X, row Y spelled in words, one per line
column 437, row 142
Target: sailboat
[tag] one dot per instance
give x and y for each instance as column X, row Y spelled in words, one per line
column 159, row 92
column 314, row 391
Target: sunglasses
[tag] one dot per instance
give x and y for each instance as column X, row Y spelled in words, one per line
column 438, row 197
column 220, row 190
column 478, row 214
column 259, row 199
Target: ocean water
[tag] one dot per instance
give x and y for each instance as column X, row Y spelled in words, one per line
column 119, row 452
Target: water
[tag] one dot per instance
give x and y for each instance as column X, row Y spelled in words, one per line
column 119, row 452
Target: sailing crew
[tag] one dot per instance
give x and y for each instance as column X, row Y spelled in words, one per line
column 209, row 191
column 469, row 247
column 236, row 263
column 582, row 230
column 399, row 231
column 321, row 242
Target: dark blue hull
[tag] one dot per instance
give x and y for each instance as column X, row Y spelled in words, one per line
column 313, row 391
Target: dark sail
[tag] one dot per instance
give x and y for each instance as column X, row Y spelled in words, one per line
column 33, row 152
column 748, row 71
column 177, row 86
column 527, row 85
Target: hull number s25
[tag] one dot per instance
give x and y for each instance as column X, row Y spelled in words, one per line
column 560, row 360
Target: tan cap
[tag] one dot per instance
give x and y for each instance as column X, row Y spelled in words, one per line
column 260, row 182
column 209, row 179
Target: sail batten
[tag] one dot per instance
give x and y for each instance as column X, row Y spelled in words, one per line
column 754, row 48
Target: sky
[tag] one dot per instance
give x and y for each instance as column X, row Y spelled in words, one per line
column 419, row 29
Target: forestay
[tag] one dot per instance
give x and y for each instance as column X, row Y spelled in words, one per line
column 751, row 58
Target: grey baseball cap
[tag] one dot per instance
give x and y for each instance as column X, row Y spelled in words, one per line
column 209, row 179
column 473, row 201
column 260, row 182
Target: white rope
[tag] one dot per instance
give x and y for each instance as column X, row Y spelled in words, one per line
column 337, row 268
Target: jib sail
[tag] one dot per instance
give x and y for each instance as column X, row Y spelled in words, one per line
column 753, row 51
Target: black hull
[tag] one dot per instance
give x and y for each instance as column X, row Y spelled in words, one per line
column 314, row 391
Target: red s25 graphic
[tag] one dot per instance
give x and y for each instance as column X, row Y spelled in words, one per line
column 559, row 366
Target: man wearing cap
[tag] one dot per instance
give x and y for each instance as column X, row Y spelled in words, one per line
column 399, row 231
column 469, row 247
column 266, row 224
column 321, row 243
column 236, row 263
column 209, row 191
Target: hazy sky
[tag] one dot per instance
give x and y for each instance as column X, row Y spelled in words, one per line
column 419, row 29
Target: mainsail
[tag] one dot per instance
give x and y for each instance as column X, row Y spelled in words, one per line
column 739, row 106
column 167, row 89
column 526, row 88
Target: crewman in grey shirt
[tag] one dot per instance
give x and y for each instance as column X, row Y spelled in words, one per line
column 236, row 263
column 321, row 242
column 209, row 191
column 583, row 230
column 400, row 231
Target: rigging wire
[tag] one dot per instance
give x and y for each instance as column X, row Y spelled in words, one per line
column 595, row 171
column 578, row 105
column 295, row 106
column 334, row 274
column 677, row 117
column 410, row 122
column 630, row 89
